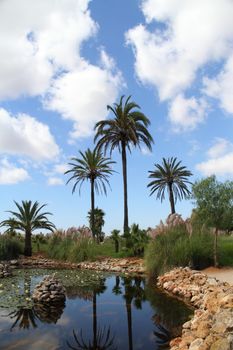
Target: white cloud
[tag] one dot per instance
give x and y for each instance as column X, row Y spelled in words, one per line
column 187, row 113
column 221, row 146
column 221, row 86
column 55, row 181
column 61, row 168
column 194, row 32
column 41, row 55
column 34, row 47
column 83, row 94
column 220, row 159
column 11, row 174
column 24, row 135
column 173, row 48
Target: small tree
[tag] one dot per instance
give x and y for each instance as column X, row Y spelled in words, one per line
column 98, row 215
column 115, row 237
column 214, row 201
column 27, row 219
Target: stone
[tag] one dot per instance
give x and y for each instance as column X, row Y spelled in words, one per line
column 196, row 344
column 221, row 344
column 44, row 294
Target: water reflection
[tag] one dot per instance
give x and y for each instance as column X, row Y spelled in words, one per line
column 102, row 312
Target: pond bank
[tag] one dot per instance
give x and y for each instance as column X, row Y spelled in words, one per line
column 211, row 328
column 121, row 265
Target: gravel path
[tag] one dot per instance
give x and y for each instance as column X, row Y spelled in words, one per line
column 224, row 274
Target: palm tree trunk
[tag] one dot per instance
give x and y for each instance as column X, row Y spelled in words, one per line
column 171, row 198
column 124, row 169
column 94, row 320
column 215, row 247
column 92, row 208
column 28, row 243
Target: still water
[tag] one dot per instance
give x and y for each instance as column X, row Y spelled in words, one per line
column 102, row 312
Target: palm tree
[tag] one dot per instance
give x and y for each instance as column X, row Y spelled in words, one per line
column 99, row 221
column 128, row 128
column 27, row 219
column 173, row 177
column 93, row 167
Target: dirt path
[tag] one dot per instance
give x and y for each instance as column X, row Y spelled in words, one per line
column 224, row 274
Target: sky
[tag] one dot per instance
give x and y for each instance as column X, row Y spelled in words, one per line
column 63, row 61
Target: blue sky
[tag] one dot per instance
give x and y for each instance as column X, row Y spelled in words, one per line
column 61, row 65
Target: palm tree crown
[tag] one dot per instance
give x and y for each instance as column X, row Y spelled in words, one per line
column 93, row 167
column 27, row 219
column 170, row 176
column 127, row 128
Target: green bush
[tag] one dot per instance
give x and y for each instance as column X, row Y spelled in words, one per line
column 77, row 250
column 174, row 247
column 10, row 248
column 225, row 250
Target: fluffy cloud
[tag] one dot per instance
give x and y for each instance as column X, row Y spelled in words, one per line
column 24, row 135
column 81, row 95
column 179, row 39
column 220, row 159
column 61, row 168
column 41, row 55
column 55, row 181
column 186, row 113
column 11, row 174
column 221, row 87
column 34, row 47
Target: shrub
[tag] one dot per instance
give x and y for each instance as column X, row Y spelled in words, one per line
column 10, row 248
column 175, row 247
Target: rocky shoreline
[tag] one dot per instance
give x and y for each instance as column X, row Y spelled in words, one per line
column 125, row 265
column 211, row 328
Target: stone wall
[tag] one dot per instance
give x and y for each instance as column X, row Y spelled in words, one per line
column 211, row 328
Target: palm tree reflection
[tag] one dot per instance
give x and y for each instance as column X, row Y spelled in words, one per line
column 102, row 338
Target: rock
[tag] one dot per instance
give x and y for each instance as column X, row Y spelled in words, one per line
column 44, row 294
column 221, row 344
column 212, row 323
column 196, row 344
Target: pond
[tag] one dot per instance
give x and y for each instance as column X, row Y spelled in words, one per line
column 102, row 312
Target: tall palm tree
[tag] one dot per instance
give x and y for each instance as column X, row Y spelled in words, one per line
column 171, row 175
column 127, row 128
column 27, row 219
column 93, row 167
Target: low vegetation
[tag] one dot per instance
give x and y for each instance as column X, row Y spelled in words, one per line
column 10, row 247
column 175, row 247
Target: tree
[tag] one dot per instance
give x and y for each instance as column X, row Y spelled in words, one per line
column 115, row 237
column 27, row 219
column 98, row 220
column 170, row 176
column 128, row 128
column 92, row 167
column 214, row 206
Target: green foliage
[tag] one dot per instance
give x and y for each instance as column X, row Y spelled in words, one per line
column 225, row 250
column 77, row 250
column 115, row 236
column 214, row 201
column 27, row 219
column 10, row 248
column 98, row 221
column 175, row 248
column 138, row 239
column 170, row 176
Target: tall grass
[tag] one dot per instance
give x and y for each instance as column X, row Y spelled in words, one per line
column 10, row 248
column 174, row 247
column 80, row 249
column 225, row 250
